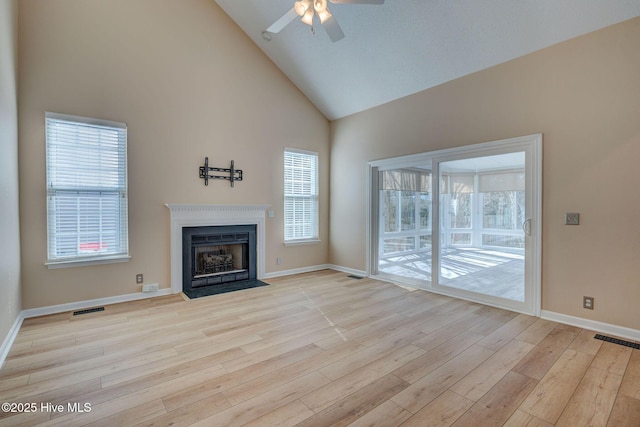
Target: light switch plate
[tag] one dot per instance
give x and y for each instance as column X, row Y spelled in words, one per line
column 572, row 218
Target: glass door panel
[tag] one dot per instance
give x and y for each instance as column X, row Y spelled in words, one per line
column 404, row 235
column 482, row 213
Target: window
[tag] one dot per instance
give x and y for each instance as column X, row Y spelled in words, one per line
column 300, row 196
column 86, row 190
column 405, row 207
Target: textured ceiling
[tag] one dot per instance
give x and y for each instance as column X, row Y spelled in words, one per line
column 405, row 46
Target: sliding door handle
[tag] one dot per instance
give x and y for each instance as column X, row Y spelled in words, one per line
column 526, row 226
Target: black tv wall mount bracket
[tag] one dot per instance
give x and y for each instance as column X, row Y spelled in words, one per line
column 231, row 174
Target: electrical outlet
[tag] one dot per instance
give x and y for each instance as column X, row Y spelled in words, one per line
column 139, row 278
column 587, row 302
column 278, row 261
column 572, row 218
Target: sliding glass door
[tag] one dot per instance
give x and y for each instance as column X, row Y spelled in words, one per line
column 463, row 222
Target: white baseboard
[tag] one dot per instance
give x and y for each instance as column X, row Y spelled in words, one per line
column 296, row 271
column 593, row 325
column 80, row 305
column 315, row 268
column 348, row 270
column 10, row 338
column 72, row 306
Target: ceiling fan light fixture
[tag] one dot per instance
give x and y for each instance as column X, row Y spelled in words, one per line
column 320, row 5
column 307, row 18
column 302, row 6
column 324, row 15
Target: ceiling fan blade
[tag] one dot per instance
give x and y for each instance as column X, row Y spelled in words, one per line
column 283, row 21
column 357, row 1
column 333, row 29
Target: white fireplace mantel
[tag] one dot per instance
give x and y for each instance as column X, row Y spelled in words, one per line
column 210, row 215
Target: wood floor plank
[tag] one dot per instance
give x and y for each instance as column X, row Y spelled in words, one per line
column 436, row 357
column 593, row 400
column 110, row 407
column 254, row 381
column 631, row 381
column 523, row 419
column 345, row 385
column 429, row 387
column 132, row 416
column 369, row 354
column 24, row 419
column 441, row 412
column 497, row 406
column 625, row 412
column 479, row 381
column 586, row 343
column 544, row 355
column 189, row 414
column 317, row 348
column 261, row 405
column 507, row 332
column 537, row 331
column 386, row 414
column 288, row 415
column 613, row 358
column 356, row 404
column 554, row 390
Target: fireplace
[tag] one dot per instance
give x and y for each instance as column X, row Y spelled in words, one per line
column 211, row 215
column 214, row 256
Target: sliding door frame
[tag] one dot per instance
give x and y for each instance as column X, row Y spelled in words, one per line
column 532, row 145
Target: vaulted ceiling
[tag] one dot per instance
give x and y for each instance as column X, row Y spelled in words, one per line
column 405, row 46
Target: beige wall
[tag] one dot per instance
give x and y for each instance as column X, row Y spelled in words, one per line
column 584, row 96
column 9, row 218
column 189, row 84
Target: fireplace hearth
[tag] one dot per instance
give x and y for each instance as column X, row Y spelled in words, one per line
column 218, row 259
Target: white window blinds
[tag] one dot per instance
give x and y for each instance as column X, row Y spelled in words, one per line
column 86, row 189
column 300, row 195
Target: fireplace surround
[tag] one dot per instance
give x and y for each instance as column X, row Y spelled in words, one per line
column 199, row 215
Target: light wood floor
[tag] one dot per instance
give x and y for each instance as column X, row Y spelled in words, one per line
column 317, row 349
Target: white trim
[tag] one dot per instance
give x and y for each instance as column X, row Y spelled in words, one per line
column 86, row 262
column 315, row 268
column 348, row 270
column 293, row 271
column 532, row 144
column 84, row 120
column 72, row 306
column 299, row 242
column 80, row 305
column 301, row 151
column 10, row 338
column 190, row 215
column 593, row 325
column 411, row 159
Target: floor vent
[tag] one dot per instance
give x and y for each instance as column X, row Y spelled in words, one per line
column 88, row 310
column 617, row 341
column 353, row 276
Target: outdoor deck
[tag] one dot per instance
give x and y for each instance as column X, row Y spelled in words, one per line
column 495, row 272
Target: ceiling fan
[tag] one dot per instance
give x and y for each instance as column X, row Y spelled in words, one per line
column 306, row 9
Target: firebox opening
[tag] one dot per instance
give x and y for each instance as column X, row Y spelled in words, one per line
column 219, row 259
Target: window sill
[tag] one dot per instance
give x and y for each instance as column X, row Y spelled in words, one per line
column 301, row 242
column 86, row 262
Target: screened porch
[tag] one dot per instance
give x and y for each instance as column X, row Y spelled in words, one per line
column 482, row 212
